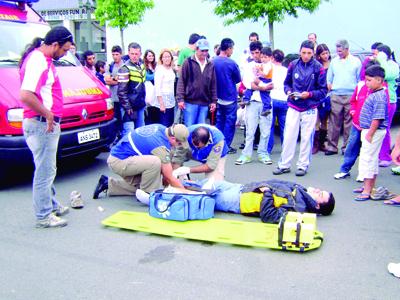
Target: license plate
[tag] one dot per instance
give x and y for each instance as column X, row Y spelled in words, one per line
column 88, row 136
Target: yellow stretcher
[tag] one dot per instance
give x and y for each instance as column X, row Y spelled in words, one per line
column 295, row 232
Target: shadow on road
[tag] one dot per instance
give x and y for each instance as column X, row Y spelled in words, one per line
column 13, row 176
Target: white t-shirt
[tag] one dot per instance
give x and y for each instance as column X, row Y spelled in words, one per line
column 278, row 78
column 164, row 79
column 249, row 77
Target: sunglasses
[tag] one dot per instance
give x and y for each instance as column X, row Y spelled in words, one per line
column 67, row 38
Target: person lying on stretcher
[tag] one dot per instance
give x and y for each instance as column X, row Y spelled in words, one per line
column 268, row 199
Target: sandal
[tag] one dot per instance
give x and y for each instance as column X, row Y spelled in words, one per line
column 391, row 203
column 363, row 197
column 358, row 190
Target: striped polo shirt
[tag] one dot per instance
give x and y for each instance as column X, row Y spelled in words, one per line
column 375, row 108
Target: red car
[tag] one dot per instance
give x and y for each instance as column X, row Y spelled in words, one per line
column 88, row 125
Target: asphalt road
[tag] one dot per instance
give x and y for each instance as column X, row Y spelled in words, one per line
column 88, row 261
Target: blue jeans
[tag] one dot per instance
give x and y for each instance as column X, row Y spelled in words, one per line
column 131, row 125
column 43, row 146
column 352, row 150
column 279, row 110
column 264, row 95
column 226, row 121
column 167, row 117
column 253, row 119
column 194, row 114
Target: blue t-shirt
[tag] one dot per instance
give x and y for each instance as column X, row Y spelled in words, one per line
column 375, row 108
column 145, row 139
column 216, row 136
column 228, row 75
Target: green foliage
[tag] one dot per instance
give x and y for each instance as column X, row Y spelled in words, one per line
column 269, row 10
column 121, row 13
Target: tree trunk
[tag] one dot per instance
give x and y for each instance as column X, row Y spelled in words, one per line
column 271, row 33
column 121, row 31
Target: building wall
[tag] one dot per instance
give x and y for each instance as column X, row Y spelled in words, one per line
column 75, row 18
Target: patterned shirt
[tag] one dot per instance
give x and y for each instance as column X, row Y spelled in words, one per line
column 375, row 108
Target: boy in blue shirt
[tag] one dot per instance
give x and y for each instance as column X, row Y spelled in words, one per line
column 373, row 122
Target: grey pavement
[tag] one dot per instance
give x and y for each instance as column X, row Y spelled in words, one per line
column 88, row 261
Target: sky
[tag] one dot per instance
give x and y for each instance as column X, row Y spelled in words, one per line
column 170, row 22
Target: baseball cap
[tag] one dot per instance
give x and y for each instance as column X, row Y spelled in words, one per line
column 181, row 133
column 203, row 44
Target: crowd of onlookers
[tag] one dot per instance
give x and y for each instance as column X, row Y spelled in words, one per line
column 320, row 95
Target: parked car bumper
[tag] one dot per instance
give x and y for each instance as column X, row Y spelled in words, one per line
column 14, row 150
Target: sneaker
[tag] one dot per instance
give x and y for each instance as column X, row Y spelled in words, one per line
column 385, row 163
column 61, row 210
column 265, row 113
column 279, row 171
column 394, row 269
column 300, row 172
column 381, row 193
column 51, row 221
column 142, row 196
column 232, row 150
column 329, row 152
column 396, row 170
column 101, row 186
column 76, row 200
column 341, row 175
column 265, row 159
column 359, row 179
column 243, row 159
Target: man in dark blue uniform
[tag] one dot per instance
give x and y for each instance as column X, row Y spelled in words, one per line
column 207, row 145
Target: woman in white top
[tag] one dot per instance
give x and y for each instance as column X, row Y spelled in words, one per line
column 164, row 78
column 152, row 111
column 278, row 96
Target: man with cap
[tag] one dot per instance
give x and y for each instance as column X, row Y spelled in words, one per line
column 140, row 158
column 197, row 86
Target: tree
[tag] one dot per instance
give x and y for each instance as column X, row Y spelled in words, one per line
column 121, row 13
column 269, row 10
